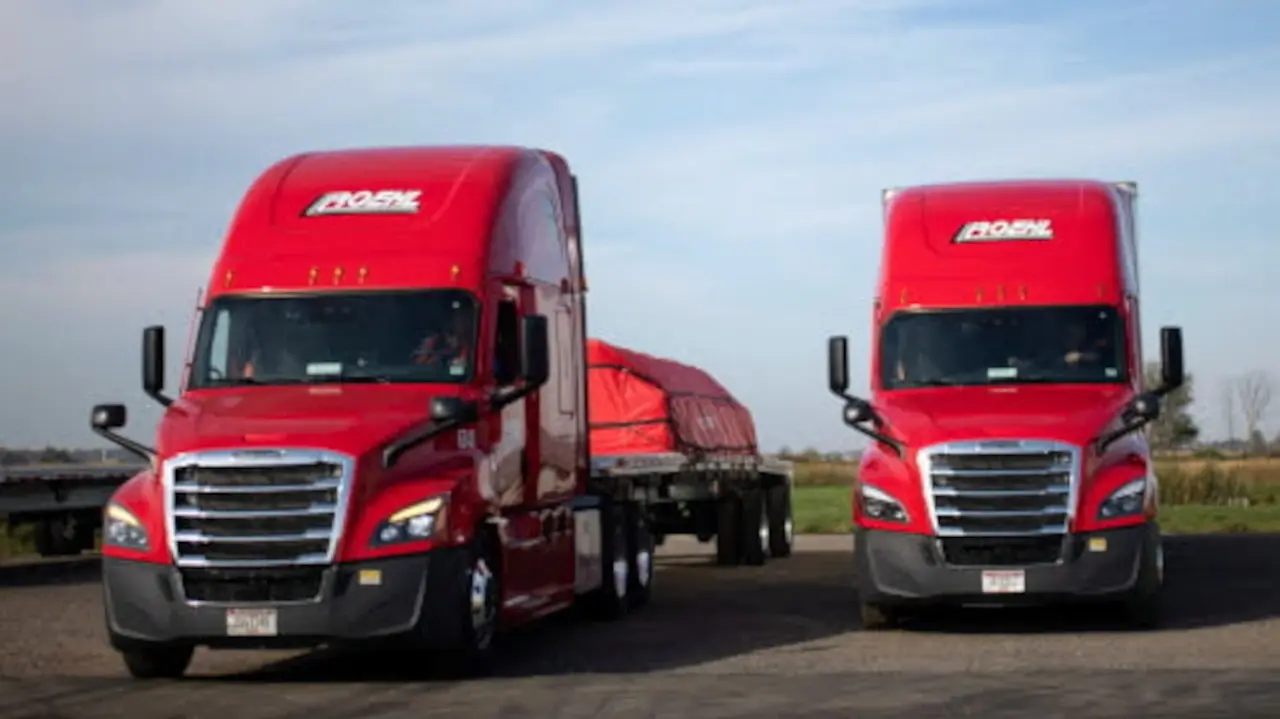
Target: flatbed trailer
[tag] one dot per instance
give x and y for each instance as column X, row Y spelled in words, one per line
column 688, row 450
column 742, row 503
column 62, row 501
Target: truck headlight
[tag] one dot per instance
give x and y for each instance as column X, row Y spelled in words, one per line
column 880, row 505
column 414, row 523
column 1124, row 502
column 121, row 529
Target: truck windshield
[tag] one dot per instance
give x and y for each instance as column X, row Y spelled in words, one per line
column 418, row 336
column 1007, row 345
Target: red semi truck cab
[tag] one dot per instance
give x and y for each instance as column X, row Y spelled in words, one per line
column 1007, row 405
column 381, row 432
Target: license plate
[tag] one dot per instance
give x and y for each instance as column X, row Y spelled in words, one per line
column 1004, row 581
column 251, row 623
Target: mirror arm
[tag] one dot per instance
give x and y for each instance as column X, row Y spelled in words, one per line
column 1106, row 440
column 877, row 434
column 146, row 453
column 394, row 451
column 160, row 397
column 897, row 447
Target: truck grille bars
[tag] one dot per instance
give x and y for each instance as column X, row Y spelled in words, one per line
column 1001, row 488
column 256, row 507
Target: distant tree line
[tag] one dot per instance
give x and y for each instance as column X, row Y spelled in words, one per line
column 17, row 457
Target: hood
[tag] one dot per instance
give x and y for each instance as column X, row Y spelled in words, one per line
column 1074, row 414
column 351, row 418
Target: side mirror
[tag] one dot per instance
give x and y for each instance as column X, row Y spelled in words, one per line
column 153, row 364
column 1144, row 408
column 838, row 365
column 857, row 411
column 452, row 409
column 105, row 418
column 535, row 358
column 1171, row 369
column 108, row 417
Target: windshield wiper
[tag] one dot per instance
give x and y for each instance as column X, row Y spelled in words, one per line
column 357, row 379
column 936, row 382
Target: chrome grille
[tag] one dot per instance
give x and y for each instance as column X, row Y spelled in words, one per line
column 256, row 508
column 1001, row 488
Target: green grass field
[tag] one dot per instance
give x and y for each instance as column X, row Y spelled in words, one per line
column 826, row 510
column 1196, row 496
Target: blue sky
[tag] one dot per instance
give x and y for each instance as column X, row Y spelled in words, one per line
column 731, row 154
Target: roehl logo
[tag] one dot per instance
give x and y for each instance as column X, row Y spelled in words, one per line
column 1005, row 230
column 366, row 202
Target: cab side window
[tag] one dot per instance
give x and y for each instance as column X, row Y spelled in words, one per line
column 506, row 361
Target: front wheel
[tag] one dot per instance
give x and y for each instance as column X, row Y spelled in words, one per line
column 162, row 662
column 473, row 598
column 1144, row 608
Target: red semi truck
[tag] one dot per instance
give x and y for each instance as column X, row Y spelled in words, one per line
column 1007, row 403
column 382, row 429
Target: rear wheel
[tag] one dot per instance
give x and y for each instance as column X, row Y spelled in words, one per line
column 755, row 528
column 641, row 545
column 63, row 536
column 728, row 530
column 159, row 662
column 613, row 600
column 781, row 525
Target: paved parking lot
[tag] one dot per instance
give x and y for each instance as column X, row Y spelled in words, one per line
column 777, row 641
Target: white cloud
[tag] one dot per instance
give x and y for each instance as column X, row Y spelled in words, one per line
column 731, row 154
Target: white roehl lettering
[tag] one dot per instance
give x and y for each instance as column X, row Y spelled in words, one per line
column 366, row 202
column 1001, row 230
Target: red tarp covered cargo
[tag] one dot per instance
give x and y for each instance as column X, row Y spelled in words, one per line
column 642, row 404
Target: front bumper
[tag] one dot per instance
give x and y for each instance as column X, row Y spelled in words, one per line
column 911, row 569
column 365, row 601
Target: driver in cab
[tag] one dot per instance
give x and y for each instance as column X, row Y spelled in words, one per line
column 449, row 345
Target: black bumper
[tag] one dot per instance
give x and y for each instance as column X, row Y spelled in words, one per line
column 368, row 601
column 895, row 568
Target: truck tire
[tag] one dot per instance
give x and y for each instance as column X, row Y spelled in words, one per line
column 877, row 617
column 58, row 536
column 781, row 524
column 755, row 528
column 1144, row 608
column 728, row 530
column 612, row 601
column 457, row 640
column 640, row 544
column 158, row 662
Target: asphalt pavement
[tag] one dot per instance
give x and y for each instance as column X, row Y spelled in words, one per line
column 777, row 641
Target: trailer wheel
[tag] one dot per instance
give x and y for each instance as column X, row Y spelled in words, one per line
column 612, row 601
column 728, row 530
column 59, row 536
column 158, row 662
column 641, row 545
column 781, row 524
column 755, row 528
